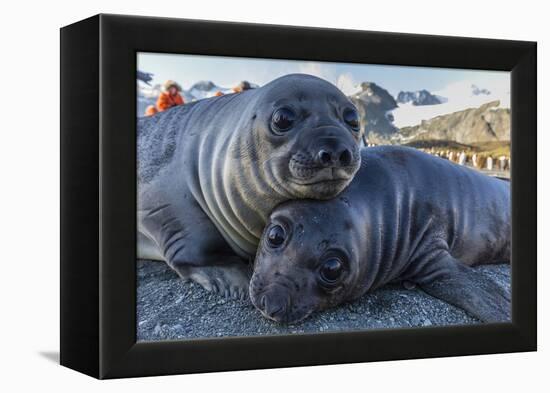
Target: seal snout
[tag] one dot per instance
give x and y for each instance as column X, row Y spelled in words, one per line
column 335, row 152
column 273, row 301
column 327, row 158
column 275, row 304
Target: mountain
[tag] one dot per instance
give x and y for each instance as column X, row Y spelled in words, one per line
column 147, row 95
column 383, row 120
column 147, row 91
column 487, row 123
column 458, row 96
column 205, row 89
column 419, row 97
column 375, row 104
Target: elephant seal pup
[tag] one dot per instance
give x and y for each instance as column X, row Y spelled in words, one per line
column 210, row 172
column 406, row 217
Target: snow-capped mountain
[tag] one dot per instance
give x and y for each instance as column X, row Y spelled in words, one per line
column 375, row 105
column 462, row 115
column 459, row 96
column 146, row 91
column 147, row 94
column 419, row 97
column 486, row 123
column 458, row 111
column 205, row 89
column 197, row 91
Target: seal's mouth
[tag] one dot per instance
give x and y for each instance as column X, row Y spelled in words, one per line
column 276, row 303
column 288, row 315
column 309, row 175
column 287, row 319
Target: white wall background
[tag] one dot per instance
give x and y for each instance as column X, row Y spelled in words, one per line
column 29, row 194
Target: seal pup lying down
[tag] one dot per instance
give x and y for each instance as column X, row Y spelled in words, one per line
column 406, row 217
column 210, row 172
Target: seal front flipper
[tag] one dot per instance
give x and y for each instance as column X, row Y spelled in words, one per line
column 193, row 247
column 462, row 286
column 230, row 279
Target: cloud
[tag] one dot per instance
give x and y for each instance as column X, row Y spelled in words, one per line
column 316, row 69
column 345, row 82
column 461, row 92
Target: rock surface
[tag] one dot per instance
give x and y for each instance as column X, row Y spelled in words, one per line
column 375, row 104
column 168, row 309
column 488, row 123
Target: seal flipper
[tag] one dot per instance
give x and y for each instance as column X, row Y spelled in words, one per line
column 230, row 279
column 193, row 247
column 462, row 286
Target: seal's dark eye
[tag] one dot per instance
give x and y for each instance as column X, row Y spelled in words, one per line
column 331, row 270
column 351, row 117
column 276, row 236
column 283, row 119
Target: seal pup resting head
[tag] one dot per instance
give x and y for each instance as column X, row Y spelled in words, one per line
column 210, row 172
column 305, row 135
column 393, row 223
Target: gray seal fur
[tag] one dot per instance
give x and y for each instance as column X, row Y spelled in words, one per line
column 406, row 217
column 210, row 172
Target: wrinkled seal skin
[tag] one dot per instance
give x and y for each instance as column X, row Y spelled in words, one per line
column 406, row 217
column 210, row 173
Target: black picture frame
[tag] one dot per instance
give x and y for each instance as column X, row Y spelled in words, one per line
column 98, row 195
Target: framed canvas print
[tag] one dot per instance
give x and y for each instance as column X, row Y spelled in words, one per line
column 238, row 196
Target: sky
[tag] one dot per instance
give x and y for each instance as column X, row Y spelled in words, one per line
column 453, row 84
column 228, row 71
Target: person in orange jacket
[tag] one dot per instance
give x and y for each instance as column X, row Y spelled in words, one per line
column 243, row 86
column 170, row 97
column 150, row 110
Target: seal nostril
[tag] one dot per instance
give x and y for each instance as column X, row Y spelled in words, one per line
column 324, row 157
column 274, row 305
column 345, row 158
